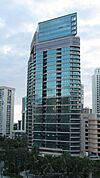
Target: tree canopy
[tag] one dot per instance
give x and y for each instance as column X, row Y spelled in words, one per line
column 18, row 158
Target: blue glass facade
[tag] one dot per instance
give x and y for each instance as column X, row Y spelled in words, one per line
column 53, row 86
column 58, row 27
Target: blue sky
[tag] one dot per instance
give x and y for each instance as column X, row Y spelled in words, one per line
column 18, row 22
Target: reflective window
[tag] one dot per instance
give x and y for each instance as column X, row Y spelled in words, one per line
column 51, row 84
column 51, row 53
column 51, row 101
column 38, row 77
column 38, row 92
column 51, row 136
column 57, row 27
column 65, row 49
column 65, row 74
column 51, row 144
column 51, row 76
column 51, row 61
column 38, row 69
column 39, row 55
column 37, row 100
column 65, row 83
column 51, row 109
column 38, row 118
column 63, row 136
column 39, row 65
column 65, row 65
column 64, row 119
column 65, row 92
column 49, row 68
column 38, row 110
column 50, row 127
column 38, row 84
column 51, row 119
column 65, row 109
column 51, row 92
column 64, row 128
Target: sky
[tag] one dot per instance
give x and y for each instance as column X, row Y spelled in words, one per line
column 18, row 22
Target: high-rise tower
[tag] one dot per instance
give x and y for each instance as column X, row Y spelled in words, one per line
column 54, row 87
column 96, row 92
column 6, row 111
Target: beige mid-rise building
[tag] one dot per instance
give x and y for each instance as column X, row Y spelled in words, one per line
column 90, row 134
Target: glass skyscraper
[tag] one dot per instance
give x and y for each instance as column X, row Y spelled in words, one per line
column 54, row 87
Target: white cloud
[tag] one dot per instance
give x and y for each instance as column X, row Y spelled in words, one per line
column 90, row 53
column 22, row 28
column 24, row 2
column 89, row 22
column 5, row 49
column 27, row 27
column 2, row 23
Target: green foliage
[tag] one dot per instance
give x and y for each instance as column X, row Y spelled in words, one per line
column 14, row 154
column 18, row 158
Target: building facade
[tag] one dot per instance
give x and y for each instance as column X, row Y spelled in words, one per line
column 54, row 87
column 84, row 133
column 82, row 97
column 18, row 132
column 24, row 101
column 90, row 135
column 6, row 111
column 96, row 91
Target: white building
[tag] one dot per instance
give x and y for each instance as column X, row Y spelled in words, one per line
column 6, row 111
column 96, row 91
